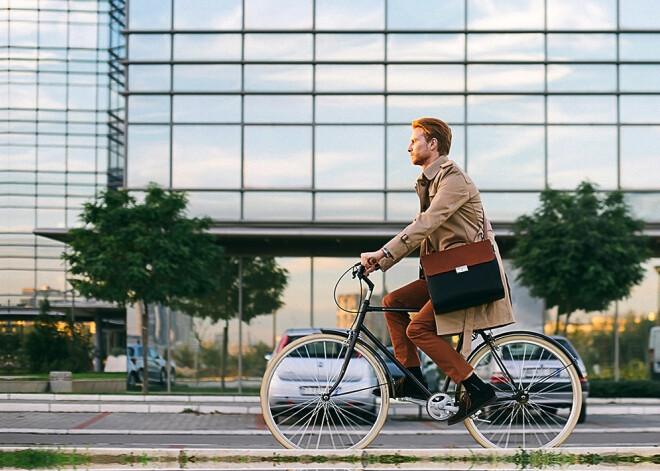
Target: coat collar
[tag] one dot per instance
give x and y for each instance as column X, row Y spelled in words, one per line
column 438, row 164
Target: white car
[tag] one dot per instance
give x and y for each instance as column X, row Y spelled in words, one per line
column 156, row 366
column 295, row 383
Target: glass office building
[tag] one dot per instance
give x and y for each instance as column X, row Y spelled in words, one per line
column 287, row 122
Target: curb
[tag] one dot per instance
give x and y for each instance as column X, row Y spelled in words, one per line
column 174, row 404
column 445, row 459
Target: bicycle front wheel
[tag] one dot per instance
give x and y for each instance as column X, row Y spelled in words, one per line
column 295, row 400
column 538, row 389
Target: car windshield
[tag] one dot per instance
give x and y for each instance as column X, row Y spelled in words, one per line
column 321, row 350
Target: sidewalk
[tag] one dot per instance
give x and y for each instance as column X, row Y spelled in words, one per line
column 138, row 403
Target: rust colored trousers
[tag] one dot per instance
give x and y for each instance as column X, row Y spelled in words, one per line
column 407, row 334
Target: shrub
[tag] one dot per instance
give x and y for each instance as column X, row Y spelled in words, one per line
column 607, row 388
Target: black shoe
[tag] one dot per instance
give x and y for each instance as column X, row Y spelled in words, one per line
column 471, row 403
column 404, row 387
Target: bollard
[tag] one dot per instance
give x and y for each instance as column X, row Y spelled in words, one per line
column 60, row 382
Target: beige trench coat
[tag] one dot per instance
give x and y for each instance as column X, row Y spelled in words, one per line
column 451, row 214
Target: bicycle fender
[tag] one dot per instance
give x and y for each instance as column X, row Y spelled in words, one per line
column 547, row 338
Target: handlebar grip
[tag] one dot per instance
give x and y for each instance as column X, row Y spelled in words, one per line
column 372, row 261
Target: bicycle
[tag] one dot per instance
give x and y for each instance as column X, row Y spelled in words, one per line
column 331, row 390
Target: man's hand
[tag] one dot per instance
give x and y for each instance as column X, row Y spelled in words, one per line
column 370, row 260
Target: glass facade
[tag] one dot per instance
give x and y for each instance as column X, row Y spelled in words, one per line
column 297, row 113
column 59, row 109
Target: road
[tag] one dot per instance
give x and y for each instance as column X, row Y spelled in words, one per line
column 247, row 431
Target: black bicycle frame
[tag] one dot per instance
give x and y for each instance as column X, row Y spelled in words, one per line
column 360, row 328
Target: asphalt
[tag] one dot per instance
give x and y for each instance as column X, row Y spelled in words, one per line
column 62, row 413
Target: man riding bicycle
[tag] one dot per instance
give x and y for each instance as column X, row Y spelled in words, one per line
column 450, row 214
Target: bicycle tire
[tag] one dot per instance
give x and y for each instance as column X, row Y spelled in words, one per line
column 295, row 409
column 542, row 418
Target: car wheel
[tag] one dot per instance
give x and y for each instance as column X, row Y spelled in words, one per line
column 140, row 376
column 583, row 414
column 162, row 377
column 131, row 381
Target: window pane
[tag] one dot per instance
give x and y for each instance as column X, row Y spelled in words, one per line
column 506, row 14
column 505, row 47
column 278, row 147
column 222, row 206
column 642, row 14
column 350, row 14
column 349, row 207
column 350, row 47
column 640, row 154
column 582, row 153
column 581, row 47
column 150, row 14
column 206, row 156
column 278, row 14
column 202, row 14
column 148, row 152
column 448, row 14
column 586, row 14
column 355, row 78
column 207, row 78
column 645, row 206
column 278, row 109
column 505, row 109
column 425, row 78
column 207, row 47
column 152, row 47
column 278, row 77
column 425, row 47
column 639, row 78
column 402, row 206
column 401, row 173
column 506, row 157
column 345, row 154
column 508, row 206
column 150, row 109
column 595, row 78
column 581, row 109
column 273, row 206
column 206, row 109
column 640, row 109
column 405, row 109
column 278, row 47
column 511, row 78
column 148, row 77
column 639, row 47
column 349, row 109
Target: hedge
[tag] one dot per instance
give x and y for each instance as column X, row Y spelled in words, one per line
column 606, row 388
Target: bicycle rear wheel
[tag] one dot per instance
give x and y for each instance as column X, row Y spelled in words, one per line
column 299, row 412
column 538, row 406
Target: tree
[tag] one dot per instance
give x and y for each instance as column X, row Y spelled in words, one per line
column 580, row 251
column 148, row 253
column 263, row 283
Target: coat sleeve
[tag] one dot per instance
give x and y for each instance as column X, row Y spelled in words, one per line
column 452, row 193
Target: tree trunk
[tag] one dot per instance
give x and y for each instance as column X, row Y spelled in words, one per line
column 145, row 346
column 557, row 322
column 568, row 317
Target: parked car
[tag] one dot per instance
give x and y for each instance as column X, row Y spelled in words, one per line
column 296, row 379
column 534, row 363
column 157, row 366
column 654, row 352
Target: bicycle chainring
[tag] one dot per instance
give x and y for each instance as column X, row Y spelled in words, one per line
column 441, row 406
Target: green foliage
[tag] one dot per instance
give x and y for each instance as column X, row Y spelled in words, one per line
column 596, row 347
column 580, row 250
column 607, row 388
column 11, row 357
column 184, row 356
column 263, row 285
column 151, row 252
column 49, row 349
